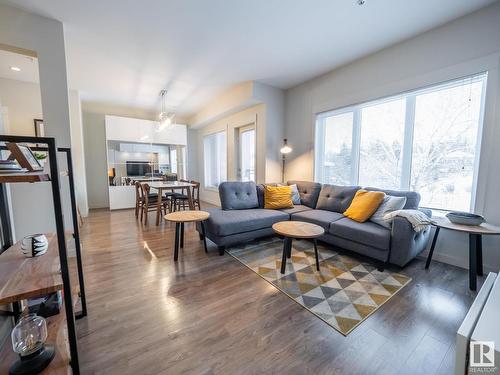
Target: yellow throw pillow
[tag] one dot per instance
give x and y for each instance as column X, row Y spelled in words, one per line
column 277, row 197
column 364, row 205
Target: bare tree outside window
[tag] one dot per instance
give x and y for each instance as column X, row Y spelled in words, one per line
column 424, row 141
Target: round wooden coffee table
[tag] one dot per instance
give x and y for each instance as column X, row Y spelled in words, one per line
column 476, row 233
column 297, row 230
column 181, row 217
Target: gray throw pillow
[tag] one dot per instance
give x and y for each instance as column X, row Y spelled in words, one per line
column 295, row 194
column 389, row 204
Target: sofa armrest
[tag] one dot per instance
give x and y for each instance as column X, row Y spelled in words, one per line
column 406, row 244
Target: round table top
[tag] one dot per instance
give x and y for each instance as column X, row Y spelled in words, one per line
column 484, row 228
column 187, row 216
column 298, row 229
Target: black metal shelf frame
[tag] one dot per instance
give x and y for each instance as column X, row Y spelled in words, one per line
column 61, row 240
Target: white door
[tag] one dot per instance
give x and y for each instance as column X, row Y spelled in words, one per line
column 246, row 153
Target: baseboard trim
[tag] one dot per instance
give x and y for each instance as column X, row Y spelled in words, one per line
column 454, row 261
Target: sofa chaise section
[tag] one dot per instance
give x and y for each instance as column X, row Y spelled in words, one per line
column 231, row 227
column 242, row 217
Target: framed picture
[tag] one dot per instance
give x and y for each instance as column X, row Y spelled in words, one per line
column 24, row 157
column 39, row 129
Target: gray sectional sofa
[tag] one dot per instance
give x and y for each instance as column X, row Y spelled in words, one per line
column 242, row 218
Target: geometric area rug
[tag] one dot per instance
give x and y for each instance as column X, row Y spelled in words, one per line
column 343, row 293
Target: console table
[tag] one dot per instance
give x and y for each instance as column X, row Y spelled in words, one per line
column 475, row 244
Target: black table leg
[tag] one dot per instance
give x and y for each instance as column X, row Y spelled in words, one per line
column 316, row 253
column 176, row 242
column 182, row 235
column 203, row 235
column 289, row 249
column 479, row 254
column 429, row 257
column 287, row 242
column 472, row 261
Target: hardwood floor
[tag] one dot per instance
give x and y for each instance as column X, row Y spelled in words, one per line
column 209, row 314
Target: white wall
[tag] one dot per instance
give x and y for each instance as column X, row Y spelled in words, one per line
column 94, row 131
column 244, row 104
column 44, row 38
column 465, row 46
column 78, row 152
column 252, row 115
column 274, row 122
column 94, row 135
column 24, row 104
column 193, row 152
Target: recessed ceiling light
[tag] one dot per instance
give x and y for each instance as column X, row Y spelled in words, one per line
column 15, row 68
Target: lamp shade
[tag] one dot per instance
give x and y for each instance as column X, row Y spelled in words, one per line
column 285, row 149
column 28, row 341
column 29, row 335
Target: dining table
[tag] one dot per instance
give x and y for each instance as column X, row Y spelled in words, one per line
column 161, row 186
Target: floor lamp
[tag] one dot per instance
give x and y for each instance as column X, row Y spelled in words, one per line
column 285, row 149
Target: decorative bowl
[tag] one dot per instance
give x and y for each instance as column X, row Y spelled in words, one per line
column 465, row 218
column 34, row 245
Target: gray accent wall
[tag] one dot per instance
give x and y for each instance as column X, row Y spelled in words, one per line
column 468, row 45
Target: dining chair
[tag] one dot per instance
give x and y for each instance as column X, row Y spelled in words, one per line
column 181, row 199
column 150, row 202
column 196, row 194
column 138, row 199
column 170, row 177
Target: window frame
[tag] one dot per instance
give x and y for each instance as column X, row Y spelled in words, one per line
column 409, row 130
column 212, row 134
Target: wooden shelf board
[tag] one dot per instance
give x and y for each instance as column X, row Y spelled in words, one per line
column 57, row 333
column 22, row 278
column 57, row 337
column 24, row 177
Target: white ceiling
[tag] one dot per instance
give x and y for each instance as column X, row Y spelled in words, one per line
column 28, row 66
column 124, row 52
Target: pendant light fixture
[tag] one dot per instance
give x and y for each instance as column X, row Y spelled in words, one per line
column 166, row 118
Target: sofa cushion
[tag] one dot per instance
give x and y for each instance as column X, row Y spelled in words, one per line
column 336, row 198
column 237, row 195
column 364, row 205
column 227, row 222
column 309, row 192
column 366, row 233
column 389, row 205
column 319, row 217
column 412, row 197
column 296, row 209
column 277, row 197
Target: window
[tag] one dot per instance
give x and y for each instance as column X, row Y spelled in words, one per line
column 214, row 150
column 246, row 168
column 173, row 160
column 334, row 140
column 382, row 137
column 425, row 140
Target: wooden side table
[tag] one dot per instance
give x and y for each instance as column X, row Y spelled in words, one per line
column 297, row 229
column 476, row 233
column 181, row 217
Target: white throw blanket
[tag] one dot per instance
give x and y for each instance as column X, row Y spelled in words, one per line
column 418, row 219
